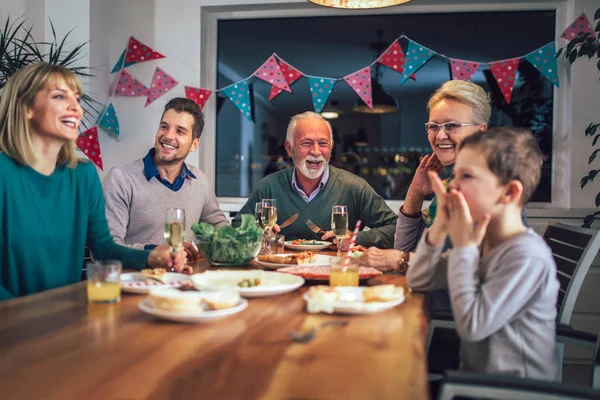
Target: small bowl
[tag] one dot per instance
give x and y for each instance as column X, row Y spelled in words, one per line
column 250, row 250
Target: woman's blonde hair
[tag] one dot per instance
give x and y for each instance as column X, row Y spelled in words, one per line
column 18, row 97
column 465, row 92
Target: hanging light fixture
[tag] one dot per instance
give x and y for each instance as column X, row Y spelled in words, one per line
column 358, row 4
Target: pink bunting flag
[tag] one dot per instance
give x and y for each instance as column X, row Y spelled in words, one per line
column 360, row 81
column 127, row 85
column 198, row 95
column 161, row 84
column 88, row 143
column 580, row 25
column 270, row 72
column 290, row 74
column 393, row 57
column 463, row 69
column 139, row 52
column 504, row 71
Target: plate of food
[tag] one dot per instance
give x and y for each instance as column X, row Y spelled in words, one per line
column 353, row 299
column 303, row 244
column 275, row 261
column 321, row 273
column 249, row 283
column 141, row 282
column 174, row 305
column 357, row 251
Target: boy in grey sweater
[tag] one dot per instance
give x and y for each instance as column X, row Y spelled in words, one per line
column 501, row 275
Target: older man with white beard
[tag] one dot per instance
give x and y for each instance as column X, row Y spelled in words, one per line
column 313, row 186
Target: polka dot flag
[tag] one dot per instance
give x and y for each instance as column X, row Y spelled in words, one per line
column 161, row 84
column 239, row 94
column 109, row 121
column 198, row 95
column 139, row 52
column 119, row 65
column 360, row 82
column 393, row 57
column 544, row 60
column 320, row 89
column 416, row 57
column 88, row 143
column 270, row 72
column 290, row 74
column 504, row 71
column 128, row 86
column 580, row 25
column 462, row 69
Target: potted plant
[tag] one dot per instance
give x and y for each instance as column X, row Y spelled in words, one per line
column 581, row 46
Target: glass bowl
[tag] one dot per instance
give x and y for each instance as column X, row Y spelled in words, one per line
column 229, row 254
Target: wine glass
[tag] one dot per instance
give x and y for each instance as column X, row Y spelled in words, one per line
column 175, row 228
column 258, row 215
column 269, row 218
column 339, row 224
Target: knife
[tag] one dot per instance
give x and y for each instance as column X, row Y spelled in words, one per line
column 289, row 221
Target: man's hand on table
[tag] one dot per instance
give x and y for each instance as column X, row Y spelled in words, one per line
column 191, row 252
column 162, row 257
column 345, row 241
column 383, row 260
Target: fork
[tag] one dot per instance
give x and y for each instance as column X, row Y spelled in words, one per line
column 313, row 227
column 310, row 335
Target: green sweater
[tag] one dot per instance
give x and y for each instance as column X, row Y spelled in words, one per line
column 45, row 223
column 342, row 188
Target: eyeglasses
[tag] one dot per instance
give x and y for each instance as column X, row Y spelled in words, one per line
column 433, row 128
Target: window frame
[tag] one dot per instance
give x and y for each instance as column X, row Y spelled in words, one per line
column 562, row 105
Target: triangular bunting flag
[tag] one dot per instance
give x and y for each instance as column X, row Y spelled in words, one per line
column 393, row 57
column 88, row 143
column 198, row 95
column 290, row 74
column 463, row 69
column 270, row 72
column 504, row 71
column 416, row 57
column 544, row 59
column 161, row 84
column 580, row 25
column 239, row 94
column 360, row 81
column 320, row 89
column 119, row 63
column 127, row 85
column 139, row 52
column 109, row 121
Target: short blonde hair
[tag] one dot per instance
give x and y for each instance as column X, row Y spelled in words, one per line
column 17, row 98
column 465, row 92
column 305, row 115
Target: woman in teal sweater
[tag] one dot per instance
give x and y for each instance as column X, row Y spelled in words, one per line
column 51, row 202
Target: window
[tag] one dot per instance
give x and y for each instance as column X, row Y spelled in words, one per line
column 384, row 149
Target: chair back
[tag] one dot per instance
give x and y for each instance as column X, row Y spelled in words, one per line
column 574, row 250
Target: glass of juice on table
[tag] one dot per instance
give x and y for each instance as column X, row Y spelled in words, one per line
column 343, row 271
column 104, row 281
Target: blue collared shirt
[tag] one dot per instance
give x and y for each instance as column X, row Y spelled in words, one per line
column 322, row 183
column 150, row 171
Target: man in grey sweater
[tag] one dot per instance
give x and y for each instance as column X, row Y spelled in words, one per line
column 139, row 193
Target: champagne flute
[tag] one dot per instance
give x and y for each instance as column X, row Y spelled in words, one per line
column 269, row 218
column 258, row 215
column 339, row 224
column 175, row 228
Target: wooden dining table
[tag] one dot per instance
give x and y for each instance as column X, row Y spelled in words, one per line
column 56, row 345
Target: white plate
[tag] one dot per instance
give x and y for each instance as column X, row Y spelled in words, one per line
column 133, row 282
column 321, row 246
column 320, row 261
column 351, row 302
column 196, row 317
column 271, row 283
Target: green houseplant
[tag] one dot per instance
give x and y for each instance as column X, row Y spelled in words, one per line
column 582, row 46
column 18, row 49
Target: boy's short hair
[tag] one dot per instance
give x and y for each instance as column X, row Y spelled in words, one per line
column 512, row 153
column 182, row 104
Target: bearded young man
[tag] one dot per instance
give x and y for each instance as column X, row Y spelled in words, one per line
column 313, row 186
column 139, row 193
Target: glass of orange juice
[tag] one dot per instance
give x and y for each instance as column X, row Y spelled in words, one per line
column 104, row 281
column 343, row 271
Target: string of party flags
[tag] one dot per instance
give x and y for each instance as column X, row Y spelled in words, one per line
column 282, row 75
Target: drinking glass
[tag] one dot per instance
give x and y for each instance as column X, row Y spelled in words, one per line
column 269, row 218
column 104, row 281
column 339, row 224
column 258, row 214
column 175, row 227
column 343, row 271
column 279, row 244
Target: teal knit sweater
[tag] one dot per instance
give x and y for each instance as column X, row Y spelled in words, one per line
column 343, row 188
column 45, row 222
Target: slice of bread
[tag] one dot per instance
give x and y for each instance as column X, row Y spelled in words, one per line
column 382, row 293
column 221, row 299
column 323, row 294
column 171, row 299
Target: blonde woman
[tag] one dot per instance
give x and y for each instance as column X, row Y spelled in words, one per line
column 51, row 202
